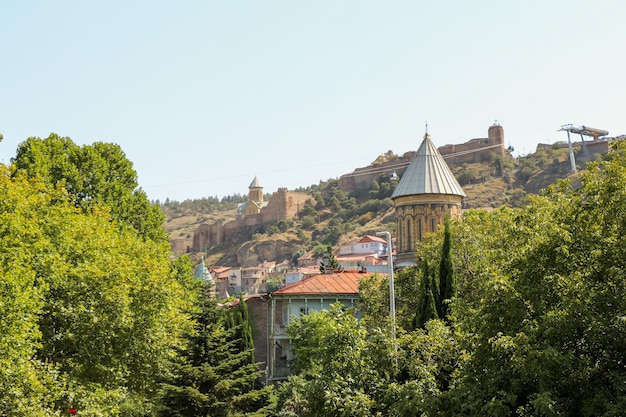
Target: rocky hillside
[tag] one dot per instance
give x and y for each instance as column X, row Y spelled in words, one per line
column 339, row 216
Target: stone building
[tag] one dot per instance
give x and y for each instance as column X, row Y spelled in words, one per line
column 283, row 204
column 425, row 194
column 476, row 150
column 473, row 150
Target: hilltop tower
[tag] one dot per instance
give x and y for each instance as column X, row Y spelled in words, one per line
column 255, row 199
column 426, row 192
column 495, row 136
column 255, row 191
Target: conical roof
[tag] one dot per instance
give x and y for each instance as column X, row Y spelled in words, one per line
column 427, row 173
column 204, row 274
column 255, row 183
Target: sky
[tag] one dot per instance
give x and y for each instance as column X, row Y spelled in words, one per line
column 203, row 96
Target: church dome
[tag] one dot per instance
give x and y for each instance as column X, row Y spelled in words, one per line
column 427, row 173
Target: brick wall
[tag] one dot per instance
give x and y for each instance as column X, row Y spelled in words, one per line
column 257, row 309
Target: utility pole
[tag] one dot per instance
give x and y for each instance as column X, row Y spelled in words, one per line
column 392, row 296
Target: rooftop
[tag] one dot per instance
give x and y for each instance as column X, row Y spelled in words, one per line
column 338, row 283
column 427, row 173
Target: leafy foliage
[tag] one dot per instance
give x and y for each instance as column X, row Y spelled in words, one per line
column 536, row 327
column 95, row 176
column 447, row 277
column 344, row 369
column 216, row 375
column 90, row 312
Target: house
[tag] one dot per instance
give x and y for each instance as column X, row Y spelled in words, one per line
column 366, row 245
column 359, row 254
column 235, row 281
column 314, row 293
column 357, row 262
column 220, row 274
column 308, row 259
column 299, row 274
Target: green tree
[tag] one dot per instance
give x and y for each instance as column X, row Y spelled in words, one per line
column 100, row 308
column 333, row 263
column 215, row 375
column 427, row 307
column 544, row 326
column 28, row 385
column 329, row 347
column 344, row 369
column 97, row 175
column 239, row 320
column 447, row 277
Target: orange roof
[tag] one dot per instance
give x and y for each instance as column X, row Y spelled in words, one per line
column 354, row 257
column 346, row 282
column 370, row 238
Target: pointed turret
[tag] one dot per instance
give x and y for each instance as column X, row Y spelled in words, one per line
column 425, row 194
column 427, row 173
column 204, row 274
column 255, row 192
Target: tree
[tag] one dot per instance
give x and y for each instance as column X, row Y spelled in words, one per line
column 215, row 375
column 329, row 347
column 97, row 175
column 28, row 385
column 345, row 369
column 447, row 278
column 545, row 328
column 238, row 319
column 427, row 309
column 333, row 263
column 99, row 307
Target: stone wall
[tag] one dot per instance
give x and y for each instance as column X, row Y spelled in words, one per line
column 476, row 150
column 179, row 246
column 283, row 204
column 470, row 151
column 417, row 215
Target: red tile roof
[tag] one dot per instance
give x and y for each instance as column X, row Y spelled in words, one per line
column 346, row 282
column 370, row 238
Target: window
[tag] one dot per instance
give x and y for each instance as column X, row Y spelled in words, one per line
column 419, row 229
column 304, row 311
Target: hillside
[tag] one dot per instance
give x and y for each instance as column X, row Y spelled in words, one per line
column 339, row 216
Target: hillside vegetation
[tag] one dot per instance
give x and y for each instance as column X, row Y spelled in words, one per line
column 338, row 216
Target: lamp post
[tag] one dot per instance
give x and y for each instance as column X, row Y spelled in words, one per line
column 392, row 296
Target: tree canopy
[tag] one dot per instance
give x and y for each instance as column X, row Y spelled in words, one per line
column 535, row 328
column 97, row 175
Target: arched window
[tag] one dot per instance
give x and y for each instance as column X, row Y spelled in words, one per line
column 409, row 234
column 419, row 229
column 432, row 224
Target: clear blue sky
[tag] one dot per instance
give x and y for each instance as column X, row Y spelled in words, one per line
column 204, row 95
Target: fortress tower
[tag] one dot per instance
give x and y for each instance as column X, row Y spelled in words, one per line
column 426, row 192
column 495, row 136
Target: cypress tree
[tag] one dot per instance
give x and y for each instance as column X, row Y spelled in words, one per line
column 427, row 307
column 447, row 278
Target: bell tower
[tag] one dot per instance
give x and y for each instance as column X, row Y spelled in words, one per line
column 255, row 191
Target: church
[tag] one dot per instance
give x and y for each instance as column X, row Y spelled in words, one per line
column 425, row 194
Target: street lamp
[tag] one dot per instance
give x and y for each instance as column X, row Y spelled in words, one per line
column 392, row 296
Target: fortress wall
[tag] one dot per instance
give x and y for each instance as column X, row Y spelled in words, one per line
column 472, row 148
column 282, row 205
